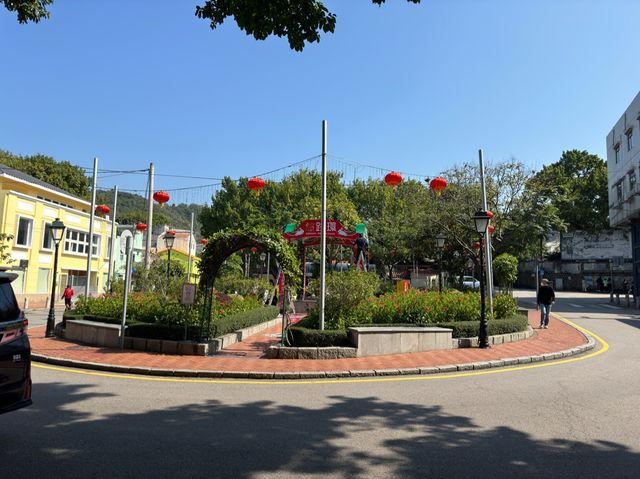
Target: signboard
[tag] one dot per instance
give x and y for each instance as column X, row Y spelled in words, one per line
column 123, row 240
column 311, row 229
column 188, row 294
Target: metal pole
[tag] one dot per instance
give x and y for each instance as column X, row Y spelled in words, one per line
column 189, row 259
column 440, row 273
column 487, row 238
column 268, row 263
column 168, row 264
column 147, row 248
column 91, row 216
column 323, row 225
column 483, row 336
column 51, row 318
column 127, row 280
column 304, row 274
column 113, row 236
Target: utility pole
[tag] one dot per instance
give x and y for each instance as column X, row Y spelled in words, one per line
column 323, row 225
column 111, row 271
column 147, row 249
column 91, row 216
column 189, row 247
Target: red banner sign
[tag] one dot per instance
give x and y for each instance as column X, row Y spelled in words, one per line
column 310, row 229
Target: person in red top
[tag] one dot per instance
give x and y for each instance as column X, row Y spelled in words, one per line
column 67, row 295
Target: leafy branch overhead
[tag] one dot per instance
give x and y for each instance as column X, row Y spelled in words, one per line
column 301, row 21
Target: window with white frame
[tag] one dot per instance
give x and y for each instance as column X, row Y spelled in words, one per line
column 616, row 151
column 25, row 231
column 76, row 242
column 629, row 139
column 632, row 181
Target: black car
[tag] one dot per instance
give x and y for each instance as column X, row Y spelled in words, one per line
column 15, row 351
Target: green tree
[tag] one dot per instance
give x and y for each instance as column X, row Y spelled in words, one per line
column 505, row 270
column 576, row 186
column 301, row 21
column 5, row 256
column 62, row 174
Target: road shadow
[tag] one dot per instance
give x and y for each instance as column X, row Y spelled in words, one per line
column 350, row 437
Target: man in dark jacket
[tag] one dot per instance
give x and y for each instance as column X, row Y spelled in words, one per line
column 546, row 297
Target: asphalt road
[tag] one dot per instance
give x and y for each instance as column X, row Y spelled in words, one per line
column 571, row 420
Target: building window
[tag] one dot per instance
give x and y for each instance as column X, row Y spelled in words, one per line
column 629, row 139
column 25, row 230
column 619, row 192
column 47, row 237
column 43, row 280
column 76, row 242
column 632, row 181
column 616, row 152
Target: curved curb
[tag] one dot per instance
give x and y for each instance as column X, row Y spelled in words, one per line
column 187, row 373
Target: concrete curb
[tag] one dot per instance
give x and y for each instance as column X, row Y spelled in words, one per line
column 293, row 375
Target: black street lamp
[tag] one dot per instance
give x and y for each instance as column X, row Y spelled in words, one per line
column 440, row 238
column 481, row 220
column 57, row 231
column 169, row 238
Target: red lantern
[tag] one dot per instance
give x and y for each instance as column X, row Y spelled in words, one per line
column 141, row 226
column 171, row 233
column 256, row 184
column 203, row 241
column 491, row 229
column 254, row 250
column 102, row 210
column 476, row 245
column 161, row 197
column 393, row 179
column 490, row 214
column 438, row 184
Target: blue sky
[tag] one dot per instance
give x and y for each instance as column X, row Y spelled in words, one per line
column 416, row 88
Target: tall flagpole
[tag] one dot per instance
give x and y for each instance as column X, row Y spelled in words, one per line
column 111, row 271
column 487, row 237
column 323, row 225
column 91, row 217
column 147, row 249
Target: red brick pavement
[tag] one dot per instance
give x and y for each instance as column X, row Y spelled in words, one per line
column 560, row 336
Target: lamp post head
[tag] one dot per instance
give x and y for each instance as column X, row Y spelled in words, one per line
column 169, row 238
column 57, row 230
column 440, row 239
column 481, row 219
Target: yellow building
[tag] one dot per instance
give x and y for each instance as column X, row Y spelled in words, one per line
column 28, row 206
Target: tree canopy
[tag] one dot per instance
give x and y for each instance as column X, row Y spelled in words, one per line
column 301, row 21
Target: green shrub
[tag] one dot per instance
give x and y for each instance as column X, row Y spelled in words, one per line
column 417, row 307
column 504, row 306
column 169, row 332
column 305, row 337
column 471, row 329
column 243, row 319
column 345, row 290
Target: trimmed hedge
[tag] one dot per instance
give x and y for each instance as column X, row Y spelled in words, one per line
column 305, row 337
column 471, row 329
column 244, row 319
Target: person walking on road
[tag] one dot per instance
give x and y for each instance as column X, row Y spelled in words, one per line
column 67, row 295
column 546, row 297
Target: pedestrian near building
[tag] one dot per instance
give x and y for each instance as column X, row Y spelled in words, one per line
column 67, row 295
column 546, row 297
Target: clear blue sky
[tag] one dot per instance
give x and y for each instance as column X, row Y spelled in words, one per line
column 417, row 88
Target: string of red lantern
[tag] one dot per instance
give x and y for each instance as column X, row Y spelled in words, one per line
column 256, row 184
column 438, row 184
column 393, row 179
column 102, row 210
column 141, row 226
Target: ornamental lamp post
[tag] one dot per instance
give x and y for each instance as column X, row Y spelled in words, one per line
column 481, row 220
column 169, row 238
column 57, row 231
column 440, row 238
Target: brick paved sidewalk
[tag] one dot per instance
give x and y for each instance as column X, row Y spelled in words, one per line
column 559, row 337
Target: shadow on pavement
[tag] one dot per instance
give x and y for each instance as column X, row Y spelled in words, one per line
column 258, row 439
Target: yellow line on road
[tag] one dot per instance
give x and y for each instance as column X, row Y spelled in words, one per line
column 604, row 346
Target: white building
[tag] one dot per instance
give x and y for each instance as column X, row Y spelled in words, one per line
column 623, row 161
column 623, row 164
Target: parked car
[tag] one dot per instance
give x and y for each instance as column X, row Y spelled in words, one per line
column 470, row 282
column 15, row 351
